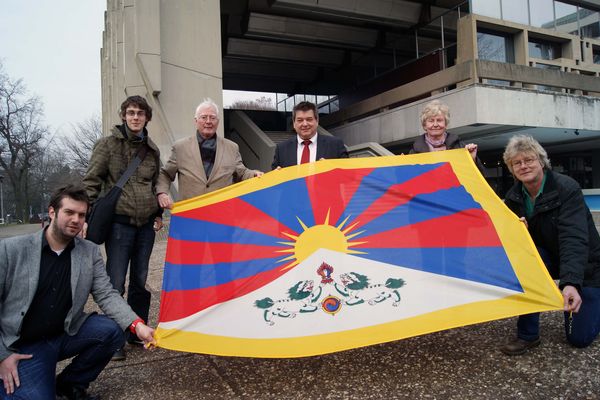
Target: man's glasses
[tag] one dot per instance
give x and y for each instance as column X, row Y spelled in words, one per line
column 131, row 113
column 204, row 118
column 527, row 162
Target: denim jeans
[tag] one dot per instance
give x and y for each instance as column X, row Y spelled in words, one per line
column 93, row 346
column 584, row 327
column 131, row 246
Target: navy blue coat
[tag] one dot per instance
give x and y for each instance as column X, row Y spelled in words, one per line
column 562, row 225
column 327, row 147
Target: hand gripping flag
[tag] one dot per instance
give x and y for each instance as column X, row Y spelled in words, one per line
column 340, row 254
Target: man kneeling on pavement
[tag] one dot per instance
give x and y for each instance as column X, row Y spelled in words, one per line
column 563, row 230
column 45, row 281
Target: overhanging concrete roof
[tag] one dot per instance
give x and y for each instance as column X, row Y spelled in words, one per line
column 324, row 46
column 555, row 119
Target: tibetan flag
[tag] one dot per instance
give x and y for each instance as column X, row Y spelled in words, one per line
column 339, row 254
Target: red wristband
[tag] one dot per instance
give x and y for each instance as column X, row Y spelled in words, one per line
column 134, row 324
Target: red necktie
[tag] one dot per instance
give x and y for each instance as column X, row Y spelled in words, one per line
column 305, row 152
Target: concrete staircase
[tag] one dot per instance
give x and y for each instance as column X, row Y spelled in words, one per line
column 279, row 136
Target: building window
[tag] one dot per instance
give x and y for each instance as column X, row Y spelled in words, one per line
column 547, row 14
column 541, row 13
column 589, row 21
column 544, row 50
column 495, row 46
column 596, row 52
column 515, row 11
column 489, row 8
column 566, row 18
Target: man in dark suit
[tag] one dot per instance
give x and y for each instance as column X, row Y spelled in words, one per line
column 45, row 281
column 307, row 146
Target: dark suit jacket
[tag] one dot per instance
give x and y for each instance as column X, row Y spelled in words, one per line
column 328, row 147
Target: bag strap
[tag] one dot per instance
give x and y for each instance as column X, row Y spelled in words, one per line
column 139, row 157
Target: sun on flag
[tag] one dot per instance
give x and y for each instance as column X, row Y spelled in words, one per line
column 339, row 254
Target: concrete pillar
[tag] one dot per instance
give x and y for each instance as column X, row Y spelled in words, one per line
column 170, row 53
column 466, row 37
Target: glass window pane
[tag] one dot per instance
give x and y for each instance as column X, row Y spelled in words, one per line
column 489, row 8
column 289, row 104
column 515, row 11
column 566, row 18
column 542, row 13
column 494, row 47
column 544, row 50
column 589, row 21
column 596, row 52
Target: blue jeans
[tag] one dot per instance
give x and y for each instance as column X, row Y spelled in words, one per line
column 93, row 346
column 585, row 325
column 129, row 244
column 584, row 328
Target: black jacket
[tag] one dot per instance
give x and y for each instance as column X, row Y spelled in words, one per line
column 562, row 224
column 452, row 142
column 328, row 147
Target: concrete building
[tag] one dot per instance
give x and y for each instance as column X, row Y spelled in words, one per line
column 503, row 67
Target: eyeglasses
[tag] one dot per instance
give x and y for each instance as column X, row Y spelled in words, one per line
column 528, row 162
column 204, row 118
column 131, row 113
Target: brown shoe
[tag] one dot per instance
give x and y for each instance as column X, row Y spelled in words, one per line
column 518, row 346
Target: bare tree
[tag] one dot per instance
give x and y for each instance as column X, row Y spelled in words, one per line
column 262, row 103
column 22, row 137
column 50, row 171
column 80, row 142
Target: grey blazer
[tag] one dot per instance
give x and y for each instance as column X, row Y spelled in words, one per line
column 185, row 163
column 19, row 274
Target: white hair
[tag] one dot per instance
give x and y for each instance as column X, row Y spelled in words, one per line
column 207, row 102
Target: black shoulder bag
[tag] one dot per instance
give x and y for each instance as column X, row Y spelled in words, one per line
column 103, row 211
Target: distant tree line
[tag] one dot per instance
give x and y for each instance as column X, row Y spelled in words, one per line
column 33, row 160
column 263, row 103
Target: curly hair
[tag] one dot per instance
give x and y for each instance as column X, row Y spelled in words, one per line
column 140, row 103
column 520, row 144
column 434, row 108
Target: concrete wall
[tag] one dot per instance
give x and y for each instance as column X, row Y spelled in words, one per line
column 474, row 105
column 167, row 51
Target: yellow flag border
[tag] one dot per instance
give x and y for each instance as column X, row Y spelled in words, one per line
column 541, row 294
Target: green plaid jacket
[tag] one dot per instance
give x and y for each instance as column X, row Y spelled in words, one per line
column 110, row 157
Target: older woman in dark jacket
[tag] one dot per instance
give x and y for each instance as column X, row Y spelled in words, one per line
column 435, row 118
column 562, row 228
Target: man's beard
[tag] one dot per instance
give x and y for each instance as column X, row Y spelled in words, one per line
column 61, row 234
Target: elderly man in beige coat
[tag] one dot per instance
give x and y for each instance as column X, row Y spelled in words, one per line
column 204, row 162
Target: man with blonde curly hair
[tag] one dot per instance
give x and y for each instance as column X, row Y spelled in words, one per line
column 562, row 228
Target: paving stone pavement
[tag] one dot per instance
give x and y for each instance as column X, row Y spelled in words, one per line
column 462, row 363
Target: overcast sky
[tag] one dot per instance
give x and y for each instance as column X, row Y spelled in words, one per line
column 54, row 46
